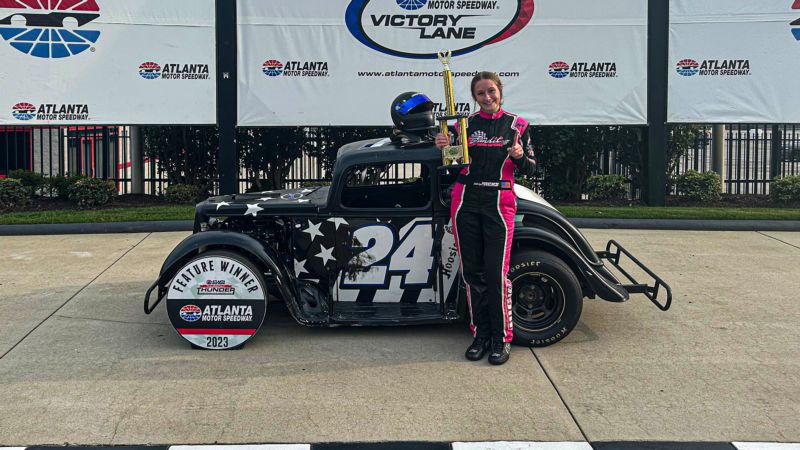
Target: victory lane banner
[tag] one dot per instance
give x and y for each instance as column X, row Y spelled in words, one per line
column 734, row 61
column 106, row 61
column 341, row 62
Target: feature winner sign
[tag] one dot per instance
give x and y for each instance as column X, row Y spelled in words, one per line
column 341, row 62
column 216, row 301
column 723, row 56
column 106, row 61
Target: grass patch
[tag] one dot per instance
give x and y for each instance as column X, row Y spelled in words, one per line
column 680, row 212
column 135, row 214
column 186, row 212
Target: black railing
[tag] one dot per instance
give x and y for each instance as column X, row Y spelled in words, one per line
column 105, row 152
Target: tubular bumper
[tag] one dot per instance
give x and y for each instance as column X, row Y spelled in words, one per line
column 613, row 254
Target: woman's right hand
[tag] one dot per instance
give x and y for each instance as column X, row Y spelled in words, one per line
column 441, row 141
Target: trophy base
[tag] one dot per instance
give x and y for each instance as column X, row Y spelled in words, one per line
column 452, row 154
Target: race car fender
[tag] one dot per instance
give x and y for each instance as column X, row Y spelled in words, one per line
column 274, row 270
column 545, row 240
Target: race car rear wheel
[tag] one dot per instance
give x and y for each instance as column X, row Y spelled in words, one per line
column 217, row 300
column 546, row 298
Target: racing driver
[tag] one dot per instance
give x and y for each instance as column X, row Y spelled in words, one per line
column 482, row 212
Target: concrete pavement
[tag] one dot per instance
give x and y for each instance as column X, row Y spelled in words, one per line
column 81, row 363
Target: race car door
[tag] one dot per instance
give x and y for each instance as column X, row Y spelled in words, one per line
column 391, row 271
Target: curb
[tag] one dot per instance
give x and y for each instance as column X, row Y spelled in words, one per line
column 97, row 228
column 495, row 445
column 685, row 224
column 587, row 223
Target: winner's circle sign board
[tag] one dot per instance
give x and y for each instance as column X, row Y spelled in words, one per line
column 341, row 62
column 734, row 61
column 68, row 62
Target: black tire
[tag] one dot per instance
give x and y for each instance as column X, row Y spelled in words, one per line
column 546, row 298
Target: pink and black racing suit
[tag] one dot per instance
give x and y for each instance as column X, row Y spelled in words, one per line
column 482, row 209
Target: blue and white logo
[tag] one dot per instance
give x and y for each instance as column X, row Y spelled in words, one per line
column 411, row 5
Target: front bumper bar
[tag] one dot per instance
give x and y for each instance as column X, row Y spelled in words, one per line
column 613, row 253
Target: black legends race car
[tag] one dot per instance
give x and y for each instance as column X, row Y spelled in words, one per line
column 374, row 248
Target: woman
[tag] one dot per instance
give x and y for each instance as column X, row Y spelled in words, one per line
column 482, row 210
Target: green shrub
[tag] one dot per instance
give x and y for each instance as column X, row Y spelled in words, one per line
column 319, row 183
column 58, row 186
column 184, row 193
column 31, row 180
column 606, row 187
column 91, row 191
column 786, row 189
column 13, row 193
column 525, row 181
column 704, row 187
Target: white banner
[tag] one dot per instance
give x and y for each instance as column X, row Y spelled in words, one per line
column 342, row 62
column 107, row 62
column 734, row 61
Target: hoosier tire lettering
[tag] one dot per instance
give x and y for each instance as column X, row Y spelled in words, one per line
column 546, row 298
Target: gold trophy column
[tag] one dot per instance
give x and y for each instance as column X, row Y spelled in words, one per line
column 452, row 153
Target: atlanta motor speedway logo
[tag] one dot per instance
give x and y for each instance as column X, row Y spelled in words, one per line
column 50, row 111
column 796, row 24
column 583, row 69
column 173, row 71
column 421, row 28
column 713, row 67
column 23, row 111
column 275, row 68
column 49, row 28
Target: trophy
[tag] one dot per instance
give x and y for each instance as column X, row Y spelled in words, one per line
column 452, row 154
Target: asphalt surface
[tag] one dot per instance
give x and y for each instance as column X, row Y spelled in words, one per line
column 80, row 362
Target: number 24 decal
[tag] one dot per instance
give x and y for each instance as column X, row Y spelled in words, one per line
column 382, row 256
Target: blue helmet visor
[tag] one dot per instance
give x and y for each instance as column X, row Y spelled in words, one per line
column 411, row 103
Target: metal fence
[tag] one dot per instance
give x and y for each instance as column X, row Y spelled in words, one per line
column 750, row 161
column 105, row 152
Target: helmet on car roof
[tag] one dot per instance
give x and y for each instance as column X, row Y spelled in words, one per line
column 413, row 112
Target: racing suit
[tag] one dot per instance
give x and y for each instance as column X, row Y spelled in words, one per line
column 482, row 210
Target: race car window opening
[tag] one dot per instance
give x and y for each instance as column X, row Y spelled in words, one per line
column 396, row 185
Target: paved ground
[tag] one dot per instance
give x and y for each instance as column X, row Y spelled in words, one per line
column 81, row 363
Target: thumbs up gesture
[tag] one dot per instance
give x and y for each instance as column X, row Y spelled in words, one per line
column 515, row 151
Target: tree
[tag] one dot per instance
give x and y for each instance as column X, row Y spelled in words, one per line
column 187, row 154
column 324, row 142
column 267, row 154
column 568, row 156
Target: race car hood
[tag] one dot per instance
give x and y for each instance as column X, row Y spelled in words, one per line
column 278, row 202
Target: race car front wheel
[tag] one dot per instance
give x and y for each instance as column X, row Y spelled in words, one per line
column 217, row 300
column 546, row 298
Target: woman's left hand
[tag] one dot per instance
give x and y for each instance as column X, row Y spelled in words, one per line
column 515, row 151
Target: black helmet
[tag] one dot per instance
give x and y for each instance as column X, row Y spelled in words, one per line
column 413, row 112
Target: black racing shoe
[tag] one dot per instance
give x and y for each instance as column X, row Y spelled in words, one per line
column 478, row 349
column 501, row 351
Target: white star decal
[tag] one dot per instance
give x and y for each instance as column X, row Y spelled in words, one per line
column 306, row 191
column 313, row 230
column 338, row 221
column 299, row 267
column 326, row 254
column 266, row 199
column 253, row 209
column 222, row 204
